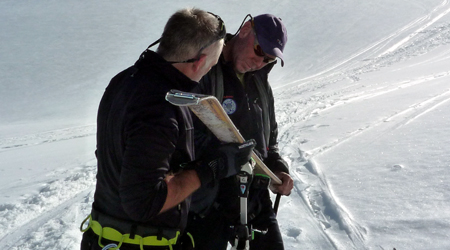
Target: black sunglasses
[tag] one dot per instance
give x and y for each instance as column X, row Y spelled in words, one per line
column 259, row 52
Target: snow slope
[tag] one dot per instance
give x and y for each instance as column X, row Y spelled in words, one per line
column 362, row 104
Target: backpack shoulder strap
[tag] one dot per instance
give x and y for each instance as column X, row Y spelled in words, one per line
column 212, row 83
column 217, row 83
column 263, row 95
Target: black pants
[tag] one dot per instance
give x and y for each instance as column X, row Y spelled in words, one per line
column 90, row 242
column 214, row 231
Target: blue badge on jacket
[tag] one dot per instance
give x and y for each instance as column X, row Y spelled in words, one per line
column 229, row 105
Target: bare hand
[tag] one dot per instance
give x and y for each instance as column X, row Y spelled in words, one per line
column 287, row 184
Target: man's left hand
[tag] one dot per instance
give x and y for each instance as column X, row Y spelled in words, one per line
column 287, row 184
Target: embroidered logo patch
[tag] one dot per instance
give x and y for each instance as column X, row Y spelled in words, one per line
column 229, row 105
column 243, row 189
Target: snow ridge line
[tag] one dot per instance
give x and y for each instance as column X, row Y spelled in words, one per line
column 420, row 29
column 373, row 48
column 46, row 137
column 438, row 36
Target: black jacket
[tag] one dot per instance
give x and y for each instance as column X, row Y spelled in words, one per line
column 251, row 108
column 140, row 138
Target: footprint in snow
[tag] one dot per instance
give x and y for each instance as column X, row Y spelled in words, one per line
column 294, row 232
column 397, row 167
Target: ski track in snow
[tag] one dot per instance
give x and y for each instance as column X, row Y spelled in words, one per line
column 318, row 194
column 415, row 111
column 403, row 34
column 438, row 12
column 310, row 182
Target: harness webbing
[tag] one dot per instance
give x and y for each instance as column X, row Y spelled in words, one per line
column 114, row 235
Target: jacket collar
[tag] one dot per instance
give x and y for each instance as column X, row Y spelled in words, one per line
column 151, row 60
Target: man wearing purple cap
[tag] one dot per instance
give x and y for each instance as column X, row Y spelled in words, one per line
column 240, row 82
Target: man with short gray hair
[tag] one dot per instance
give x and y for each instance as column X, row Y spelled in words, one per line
column 142, row 194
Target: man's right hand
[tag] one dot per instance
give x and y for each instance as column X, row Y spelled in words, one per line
column 224, row 161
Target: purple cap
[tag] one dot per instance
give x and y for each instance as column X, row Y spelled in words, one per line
column 271, row 34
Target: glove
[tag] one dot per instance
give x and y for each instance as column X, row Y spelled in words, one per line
column 224, row 161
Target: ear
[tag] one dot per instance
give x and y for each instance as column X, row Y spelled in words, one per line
column 199, row 63
column 245, row 30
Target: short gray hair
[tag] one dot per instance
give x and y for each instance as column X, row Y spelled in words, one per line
column 186, row 33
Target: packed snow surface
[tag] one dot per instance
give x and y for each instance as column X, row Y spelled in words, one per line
column 363, row 108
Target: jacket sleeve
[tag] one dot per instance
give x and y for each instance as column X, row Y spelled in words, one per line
column 151, row 138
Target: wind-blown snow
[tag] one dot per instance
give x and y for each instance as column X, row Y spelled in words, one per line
column 362, row 105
